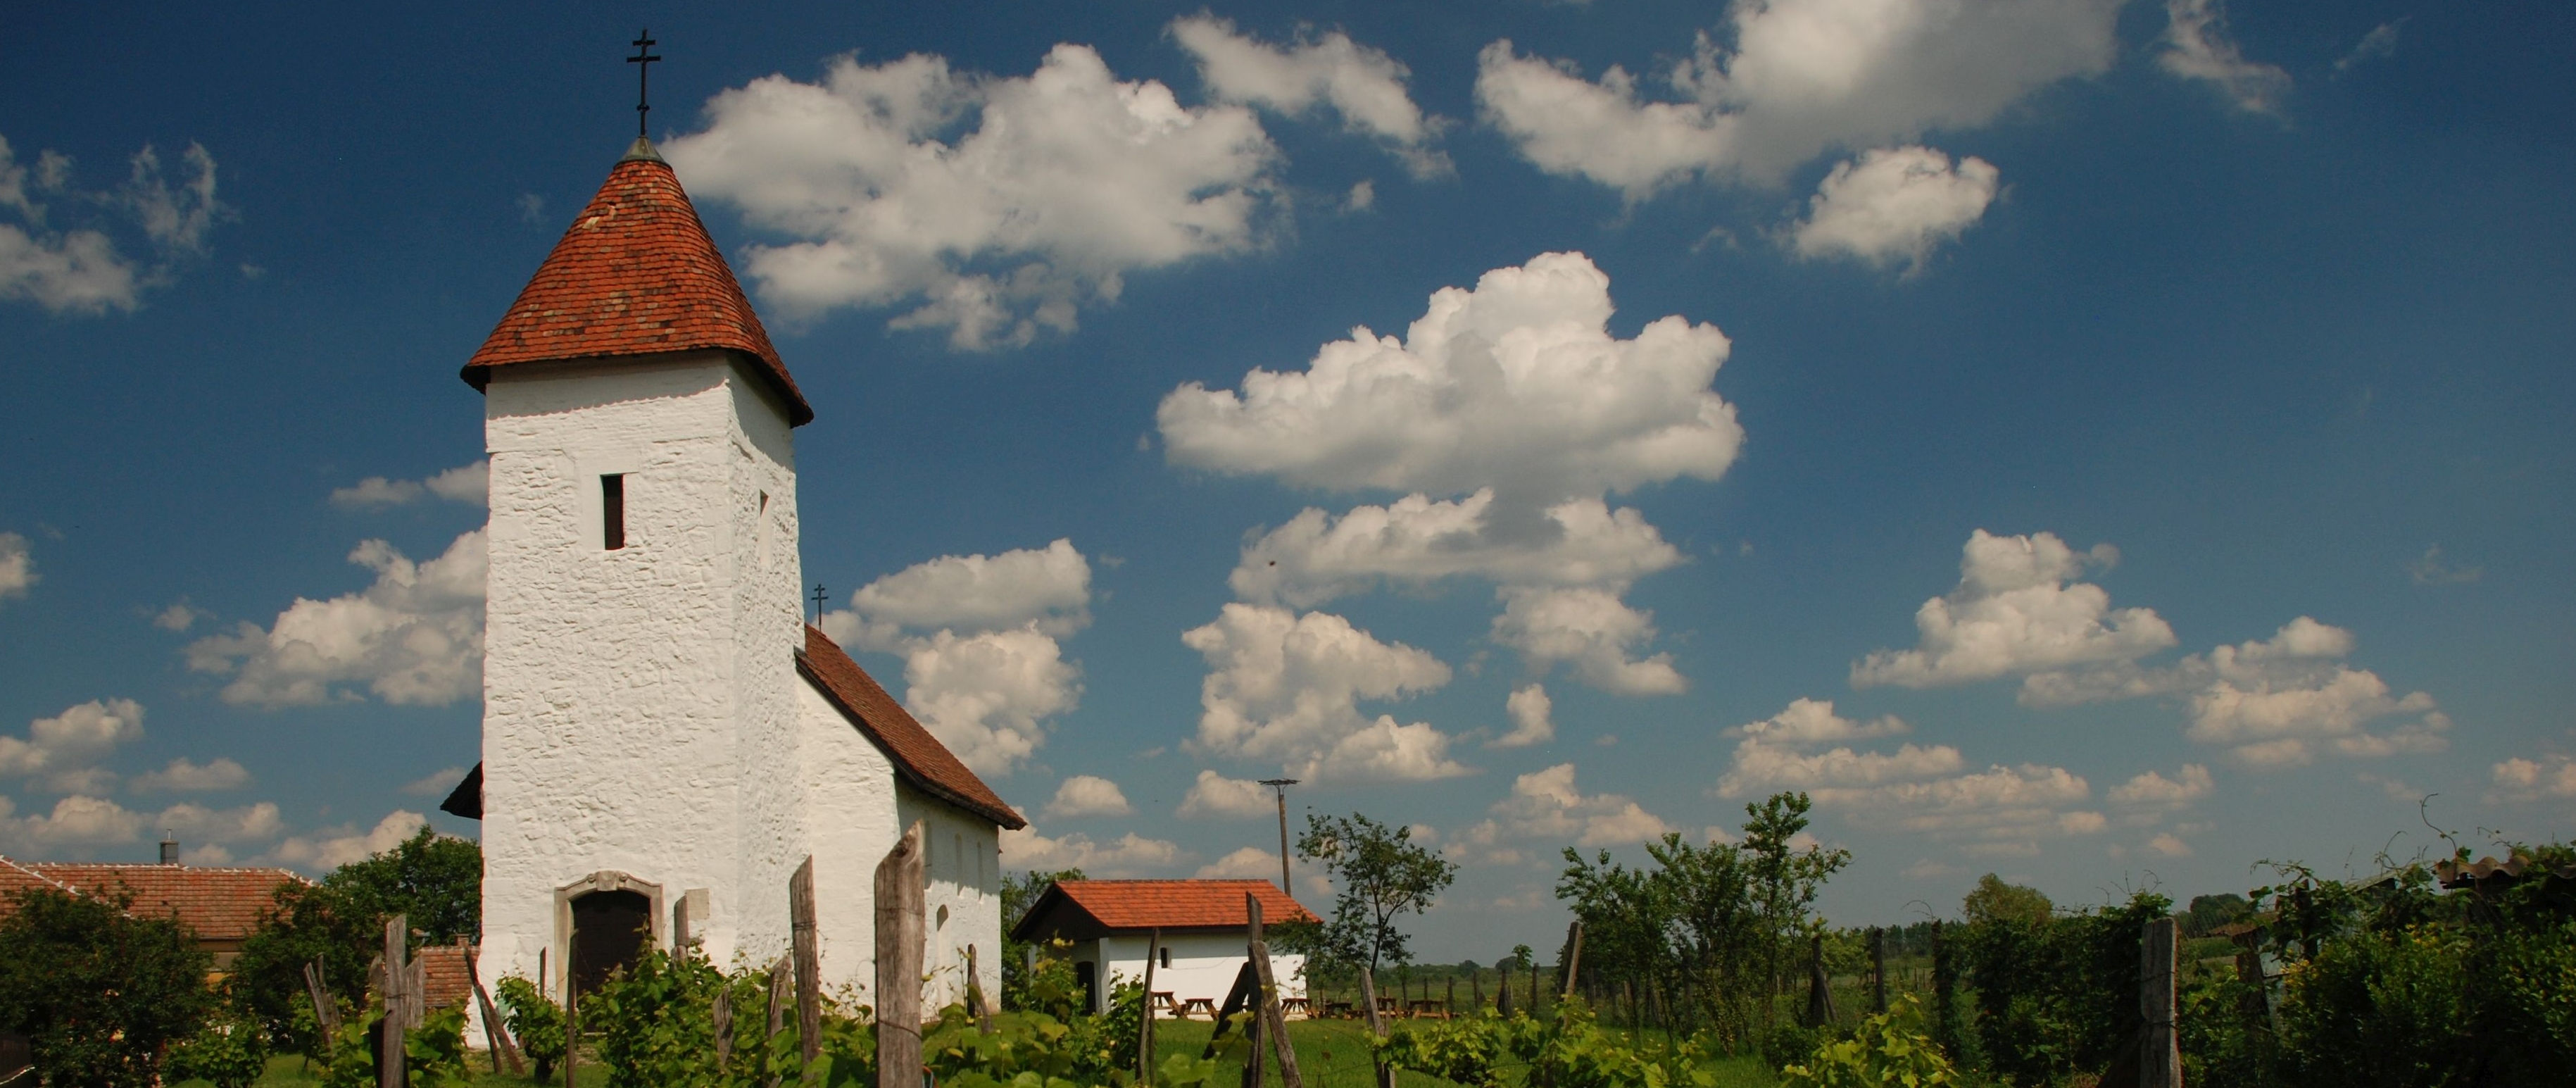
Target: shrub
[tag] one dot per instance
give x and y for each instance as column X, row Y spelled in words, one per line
column 535, row 1021
column 228, row 1051
column 96, row 992
column 1890, row 1048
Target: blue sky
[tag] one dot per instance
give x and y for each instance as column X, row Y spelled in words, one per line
column 2144, row 424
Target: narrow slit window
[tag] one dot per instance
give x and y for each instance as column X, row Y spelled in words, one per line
column 612, row 511
column 1167, row 957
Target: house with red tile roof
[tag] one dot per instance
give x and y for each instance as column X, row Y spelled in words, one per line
column 1195, row 929
column 220, row 905
column 663, row 735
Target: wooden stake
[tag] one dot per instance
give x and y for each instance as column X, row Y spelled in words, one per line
column 1246, row 988
column 1272, row 1012
column 980, row 1006
column 1376, row 1026
column 899, row 940
column 1820, row 994
column 1877, row 970
column 495, row 1033
column 397, row 978
column 722, row 1016
column 572, row 1024
column 326, row 1012
column 1144, row 1032
column 2160, row 1054
column 807, row 941
column 777, row 1012
column 1573, row 954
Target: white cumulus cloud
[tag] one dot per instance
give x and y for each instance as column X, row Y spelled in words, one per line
column 17, row 566
column 1362, row 84
column 1127, row 856
column 1545, row 806
column 1893, row 205
column 1801, row 78
column 998, row 204
column 80, row 269
column 1286, row 687
column 1245, row 863
column 2197, row 47
column 2014, row 612
column 1530, row 710
column 1216, row 795
column 1088, row 795
column 62, row 753
column 323, row 851
column 2153, row 790
column 2522, row 781
column 1922, row 789
column 1516, row 385
column 2273, row 702
column 467, row 483
column 185, row 776
column 1590, row 629
column 1418, row 540
column 978, row 637
column 413, row 637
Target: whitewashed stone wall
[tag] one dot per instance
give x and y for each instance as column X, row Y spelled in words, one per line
column 1203, row 965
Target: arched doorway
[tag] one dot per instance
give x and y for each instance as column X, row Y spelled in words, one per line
column 609, row 931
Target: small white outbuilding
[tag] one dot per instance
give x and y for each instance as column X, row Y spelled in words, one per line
column 1110, row 924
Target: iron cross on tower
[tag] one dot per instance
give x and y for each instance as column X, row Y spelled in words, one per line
column 818, row 602
column 643, row 62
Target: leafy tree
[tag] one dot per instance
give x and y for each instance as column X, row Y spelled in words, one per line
column 1993, row 900
column 536, row 1022
column 1381, row 875
column 1019, row 893
column 2210, row 912
column 434, row 881
column 1785, row 881
column 96, row 992
column 228, row 1052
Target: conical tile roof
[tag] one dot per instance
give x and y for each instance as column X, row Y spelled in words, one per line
column 635, row 275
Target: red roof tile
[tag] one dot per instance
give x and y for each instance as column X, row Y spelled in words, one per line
column 1123, row 905
column 217, row 904
column 917, row 755
column 16, row 877
column 635, row 275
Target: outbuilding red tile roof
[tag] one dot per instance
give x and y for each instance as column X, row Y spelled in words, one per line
column 635, row 275
column 1085, row 908
column 16, row 877
column 218, row 904
column 917, row 755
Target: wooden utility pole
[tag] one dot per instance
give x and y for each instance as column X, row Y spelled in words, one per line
column 397, row 1005
column 899, row 940
column 806, row 940
column 1145, row 1031
column 2160, row 1053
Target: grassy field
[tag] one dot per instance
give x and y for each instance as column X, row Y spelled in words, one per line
column 1329, row 1053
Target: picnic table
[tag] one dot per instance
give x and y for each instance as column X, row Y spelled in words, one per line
column 1191, row 1008
column 1296, row 1006
column 1340, row 1009
column 1430, row 1007
column 1162, row 1003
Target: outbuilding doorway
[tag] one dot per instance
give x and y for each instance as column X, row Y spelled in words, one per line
column 609, row 931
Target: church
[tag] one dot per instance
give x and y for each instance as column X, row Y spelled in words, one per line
column 664, row 737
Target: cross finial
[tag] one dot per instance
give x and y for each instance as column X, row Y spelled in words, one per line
column 819, row 598
column 643, row 62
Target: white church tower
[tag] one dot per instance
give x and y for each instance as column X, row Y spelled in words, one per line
column 662, row 734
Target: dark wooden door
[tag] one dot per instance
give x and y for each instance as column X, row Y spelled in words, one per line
column 608, row 932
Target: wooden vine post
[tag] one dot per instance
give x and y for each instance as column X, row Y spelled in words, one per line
column 1377, row 1027
column 806, row 941
column 1145, row 1031
column 393, row 985
column 899, row 945
column 1877, row 969
column 977, row 1004
column 1573, row 954
column 1820, row 993
column 2160, row 1055
column 495, row 1033
column 326, row 1012
column 1272, row 1015
column 777, row 980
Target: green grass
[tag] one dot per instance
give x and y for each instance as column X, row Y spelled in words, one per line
column 1330, row 1054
